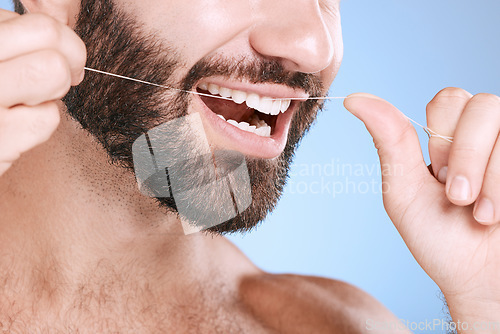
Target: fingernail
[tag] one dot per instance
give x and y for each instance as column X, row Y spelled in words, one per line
column 484, row 212
column 459, row 189
column 371, row 96
column 443, row 172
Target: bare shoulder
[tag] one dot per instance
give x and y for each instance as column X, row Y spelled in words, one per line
column 305, row 304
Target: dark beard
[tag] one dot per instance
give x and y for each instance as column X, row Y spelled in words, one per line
column 117, row 111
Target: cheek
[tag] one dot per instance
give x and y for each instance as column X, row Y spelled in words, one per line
column 195, row 28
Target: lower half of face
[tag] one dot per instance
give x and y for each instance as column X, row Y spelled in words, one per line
column 255, row 118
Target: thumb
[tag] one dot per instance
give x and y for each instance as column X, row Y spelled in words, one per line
column 404, row 171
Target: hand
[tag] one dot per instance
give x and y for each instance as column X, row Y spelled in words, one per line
column 452, row 228
column 40, row 59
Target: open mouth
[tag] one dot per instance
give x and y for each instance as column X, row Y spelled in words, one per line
column 253, row 119
column 248, row 112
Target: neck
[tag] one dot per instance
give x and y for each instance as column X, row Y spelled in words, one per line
column 73, row 225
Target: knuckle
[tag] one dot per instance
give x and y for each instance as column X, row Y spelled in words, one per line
column 465, row 151
column 450, row 99
column 54, row 63
column 37, row 69
column 462, row 155
column 455, row 93
column 46, row 28
column 490, row 100
column 60, row 75
column 50, row 70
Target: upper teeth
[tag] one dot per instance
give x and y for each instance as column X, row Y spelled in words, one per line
column 265, row 105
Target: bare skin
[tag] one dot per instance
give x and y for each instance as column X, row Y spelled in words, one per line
column 104, row 275
column 94, row 255
column 83, row 251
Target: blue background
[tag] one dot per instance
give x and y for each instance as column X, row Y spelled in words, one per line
column 405, row 52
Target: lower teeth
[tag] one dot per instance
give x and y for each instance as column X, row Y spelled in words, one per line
column 254, row 125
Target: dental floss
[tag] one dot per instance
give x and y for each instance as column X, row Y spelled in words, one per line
column 429, row 132
column 153, row 84
column 202, row 94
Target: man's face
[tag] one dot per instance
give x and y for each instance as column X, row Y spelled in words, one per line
column 247, row 50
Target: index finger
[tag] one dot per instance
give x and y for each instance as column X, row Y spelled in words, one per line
column 29, row 33
column 443, row 113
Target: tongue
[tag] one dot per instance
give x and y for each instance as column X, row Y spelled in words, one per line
column 228, row 109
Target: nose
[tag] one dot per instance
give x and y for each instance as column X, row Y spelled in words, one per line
column 293, row 31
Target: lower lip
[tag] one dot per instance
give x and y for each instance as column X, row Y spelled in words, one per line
column 226, row 136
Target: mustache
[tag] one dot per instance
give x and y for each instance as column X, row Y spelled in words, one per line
column 254, row 71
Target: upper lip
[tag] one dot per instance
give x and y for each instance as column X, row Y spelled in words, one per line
column 271, row 90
